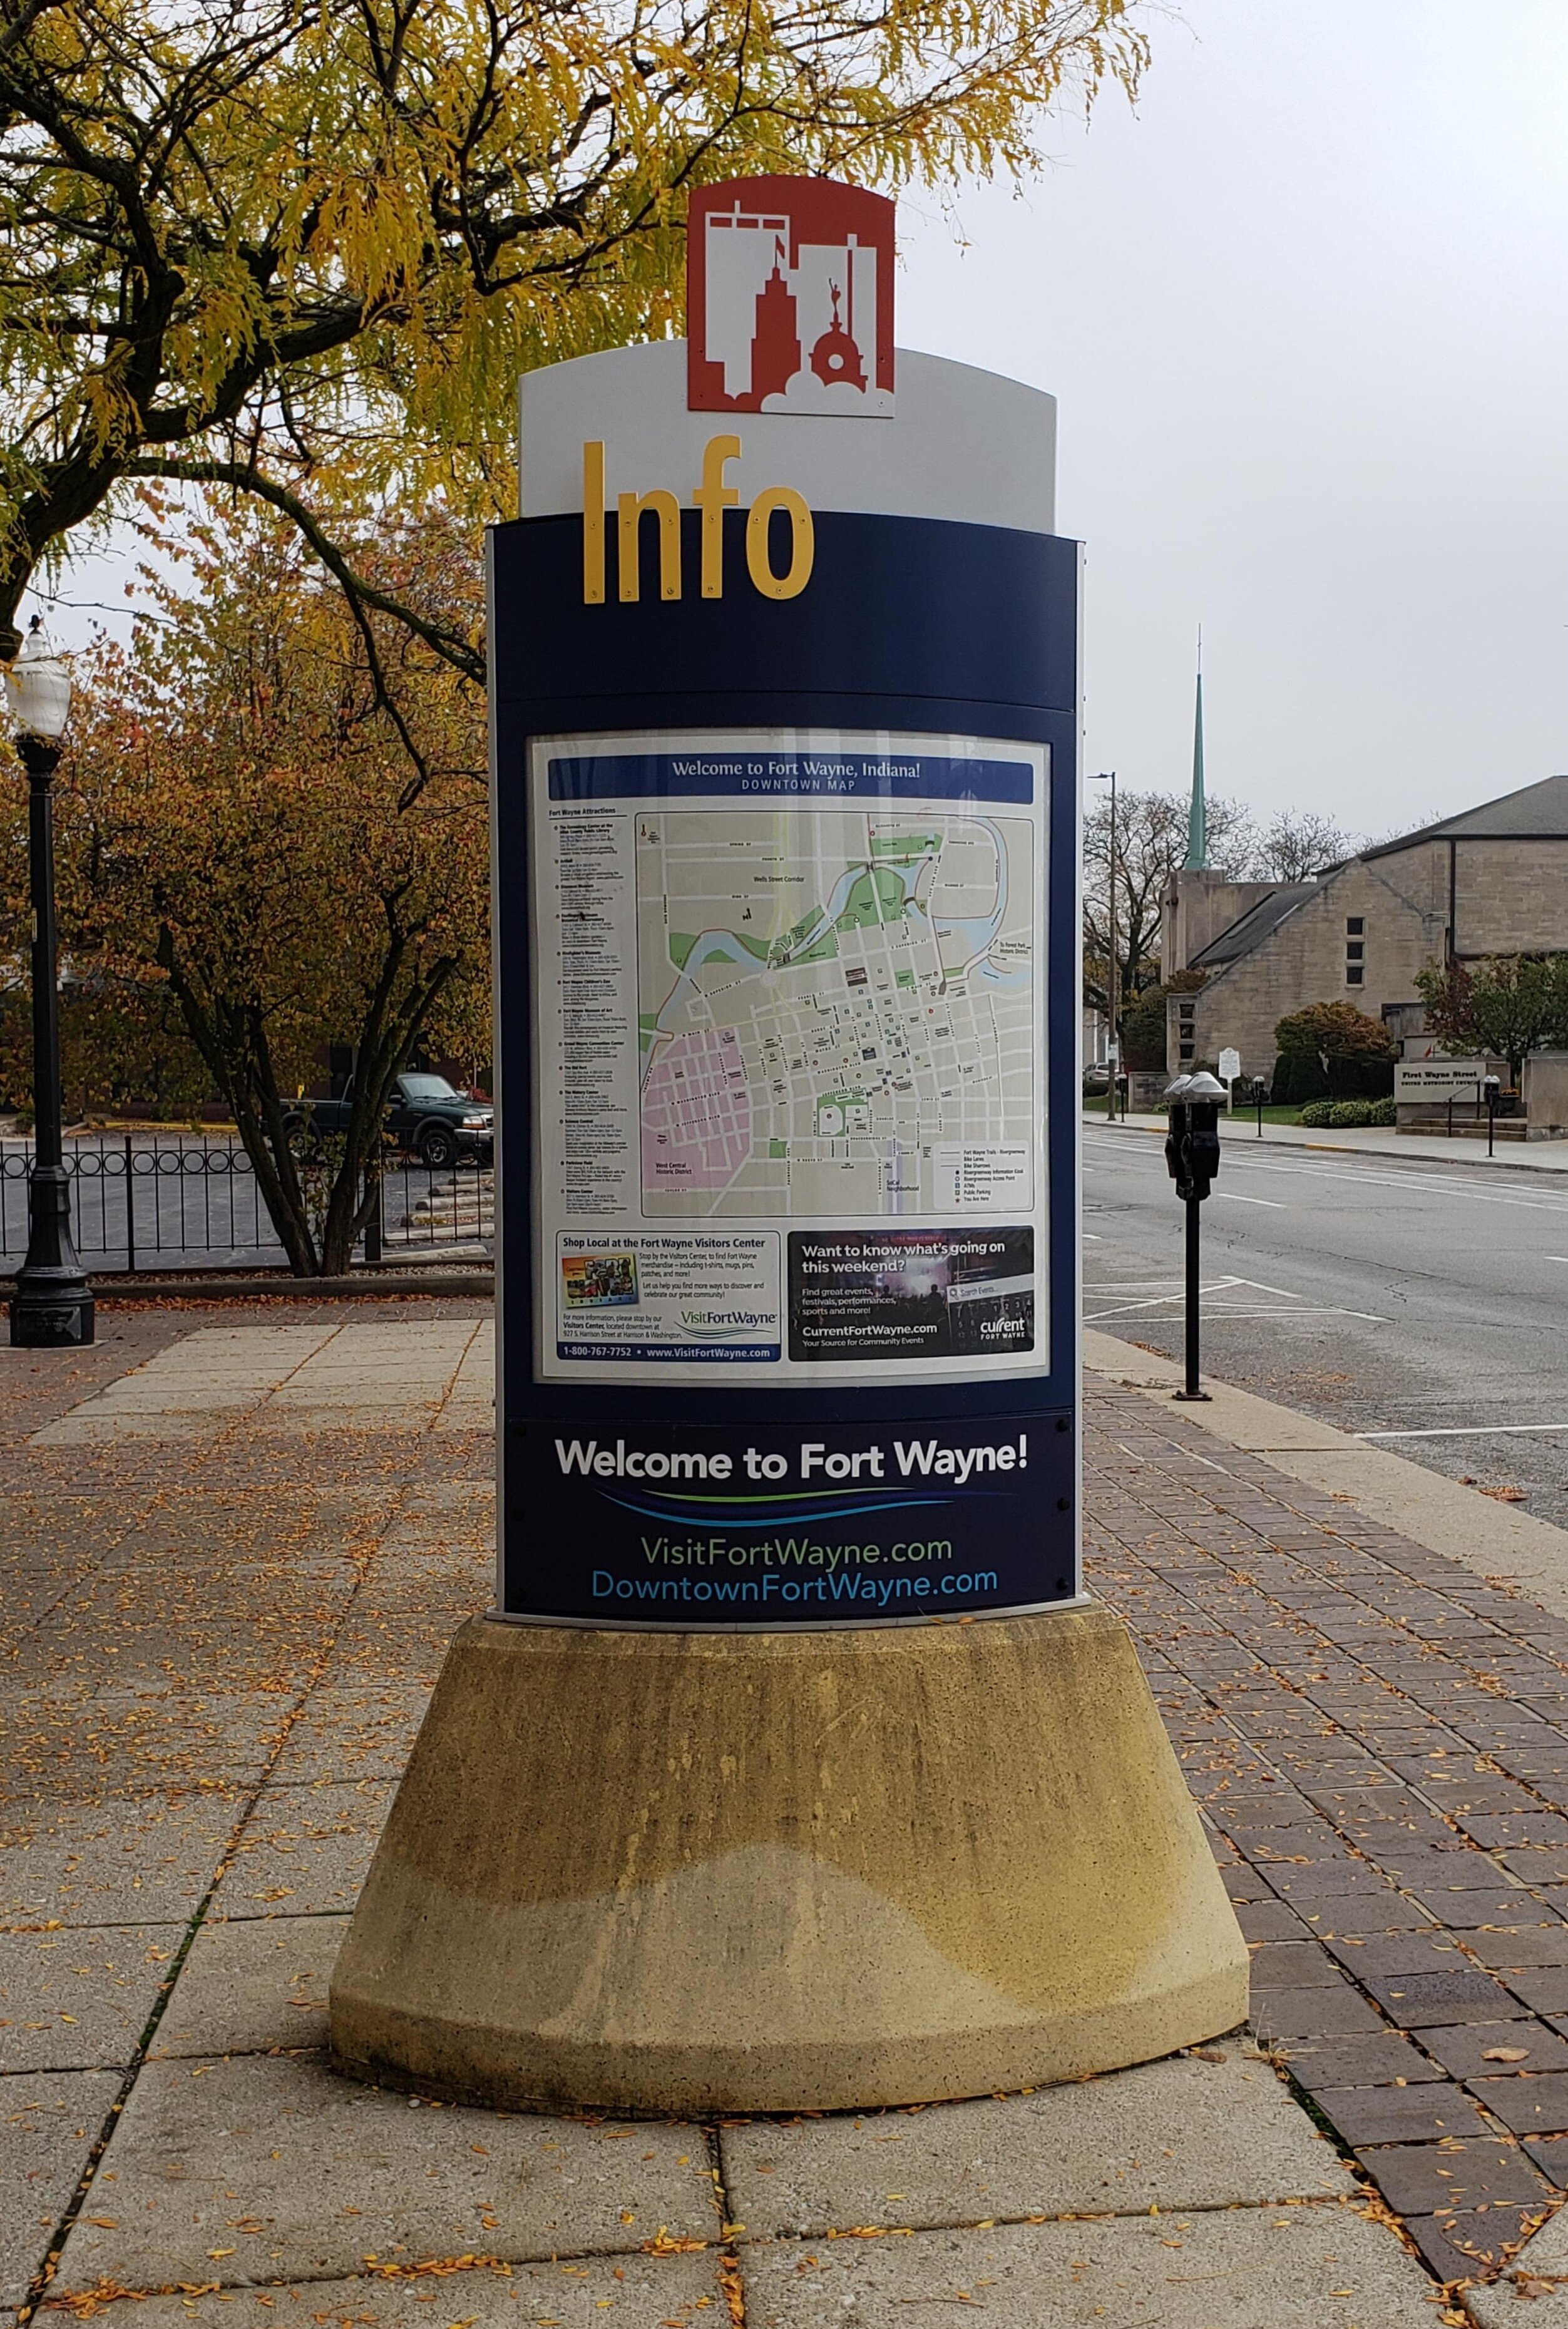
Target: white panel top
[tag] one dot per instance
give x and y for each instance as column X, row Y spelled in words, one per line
column 964, row 443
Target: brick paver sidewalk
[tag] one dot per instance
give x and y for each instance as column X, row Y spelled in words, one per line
column 1380, row 1740
column 229, row 1579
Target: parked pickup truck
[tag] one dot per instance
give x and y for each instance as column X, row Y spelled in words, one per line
column 424, row 1116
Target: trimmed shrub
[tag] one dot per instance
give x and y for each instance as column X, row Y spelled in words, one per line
column 1345, row 1114
column 1334, row 1031
column 1297, row 1077
column 1360, row 1078
column 1332, row 1051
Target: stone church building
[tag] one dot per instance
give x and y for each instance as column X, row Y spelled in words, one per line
column 1492, row 881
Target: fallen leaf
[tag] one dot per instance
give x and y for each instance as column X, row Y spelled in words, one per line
column 1505, row 2054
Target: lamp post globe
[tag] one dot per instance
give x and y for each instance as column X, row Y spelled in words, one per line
column 52, row 1307
column 38, row 688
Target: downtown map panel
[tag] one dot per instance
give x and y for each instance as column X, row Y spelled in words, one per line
column 791, row 1089
column 836, row 1012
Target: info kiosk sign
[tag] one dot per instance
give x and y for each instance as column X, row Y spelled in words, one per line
column 802, row 1776
column 786, row 807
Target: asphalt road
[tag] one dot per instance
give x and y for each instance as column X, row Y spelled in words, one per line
column 1424, row 1306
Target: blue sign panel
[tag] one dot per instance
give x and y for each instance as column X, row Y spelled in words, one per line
column 787, row 943
column 822, row 1525
column 774, row 774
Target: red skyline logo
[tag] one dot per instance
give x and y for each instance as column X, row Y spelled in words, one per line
column 789, row 298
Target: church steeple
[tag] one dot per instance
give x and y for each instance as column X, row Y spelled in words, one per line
column 1197, row 814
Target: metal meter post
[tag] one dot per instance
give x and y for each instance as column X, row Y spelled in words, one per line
column 1493, row 1086
column 1192, row 1160
column 1259, row 1093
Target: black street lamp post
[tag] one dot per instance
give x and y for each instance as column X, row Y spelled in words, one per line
column 1114, row 1041
column 52, row 1307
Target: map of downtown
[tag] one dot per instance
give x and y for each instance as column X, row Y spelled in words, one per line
column 835, row 1012
column 789, row 1091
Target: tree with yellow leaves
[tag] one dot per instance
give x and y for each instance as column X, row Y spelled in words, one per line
column 303, row 249
column 245, row 837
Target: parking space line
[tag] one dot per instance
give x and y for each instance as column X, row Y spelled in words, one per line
column 1219, row 1312
column 1304, row 1310
column 1465, row 1431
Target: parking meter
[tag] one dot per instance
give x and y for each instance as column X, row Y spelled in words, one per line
column 1192, row 1143
column 1260, row 1094
column 1176, row 1128
column 1494, row 1086
column 1192, row 1160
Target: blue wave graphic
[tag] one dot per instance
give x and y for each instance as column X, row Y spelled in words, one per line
column 777, row 1520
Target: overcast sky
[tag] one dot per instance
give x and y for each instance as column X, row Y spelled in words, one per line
column 1306, row 313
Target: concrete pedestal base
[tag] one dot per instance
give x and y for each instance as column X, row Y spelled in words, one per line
column 658, row 1873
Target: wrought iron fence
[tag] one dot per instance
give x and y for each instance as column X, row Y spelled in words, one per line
column 146, row 1202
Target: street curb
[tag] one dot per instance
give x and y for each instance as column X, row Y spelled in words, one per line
column 1495, row 1541
column 214, row 1289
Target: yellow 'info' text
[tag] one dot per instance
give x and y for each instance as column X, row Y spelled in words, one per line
column 712, row 496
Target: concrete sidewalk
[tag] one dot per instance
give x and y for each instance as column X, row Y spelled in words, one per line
column 233, row 1554
column 1527, row 1156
